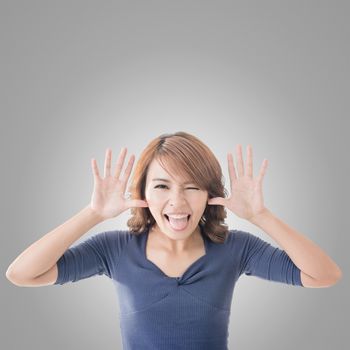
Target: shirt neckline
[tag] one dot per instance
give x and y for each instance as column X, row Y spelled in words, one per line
column 155, row 267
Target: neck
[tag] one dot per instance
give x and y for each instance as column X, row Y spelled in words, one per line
column 176, row 246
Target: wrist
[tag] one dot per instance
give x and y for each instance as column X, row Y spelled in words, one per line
column 260, row 217
column 93, row 214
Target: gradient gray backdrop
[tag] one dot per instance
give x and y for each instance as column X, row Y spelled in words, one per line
column 80, row 76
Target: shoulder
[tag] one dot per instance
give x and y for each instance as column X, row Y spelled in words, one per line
column 238, row 237
column 116, row 236
column 241, row 242
column 112, row 241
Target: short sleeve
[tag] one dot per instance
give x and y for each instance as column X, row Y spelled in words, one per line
column 97, row 255
column 261, row 259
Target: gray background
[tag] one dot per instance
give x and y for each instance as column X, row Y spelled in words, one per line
column 80, row 76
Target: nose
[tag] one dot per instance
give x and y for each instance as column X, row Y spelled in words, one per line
column 176, row 197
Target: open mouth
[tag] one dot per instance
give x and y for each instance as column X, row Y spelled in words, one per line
column 167, row 217
column 178, row 224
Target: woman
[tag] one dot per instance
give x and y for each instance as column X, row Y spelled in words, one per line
column 176, row 267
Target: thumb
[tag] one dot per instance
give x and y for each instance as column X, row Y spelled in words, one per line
column 138, row 203
column 216, row 201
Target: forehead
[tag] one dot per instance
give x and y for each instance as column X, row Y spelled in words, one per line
column 156, row 170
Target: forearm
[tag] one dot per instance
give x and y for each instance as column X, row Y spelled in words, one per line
column 44, row 253
column 305, row 254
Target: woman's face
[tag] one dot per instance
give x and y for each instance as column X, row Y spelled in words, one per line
column 168, row 196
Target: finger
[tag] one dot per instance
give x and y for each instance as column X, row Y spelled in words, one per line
column 95, row 169
column 217, row 201
column 239, row 160
column 120, row 162
column 128, row 169
column 262, row 171
column 107, row 166
column 137, row 203
column 249, row 169
column 231, row 169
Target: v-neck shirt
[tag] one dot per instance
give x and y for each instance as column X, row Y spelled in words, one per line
column 144, row 246
column 190, row 312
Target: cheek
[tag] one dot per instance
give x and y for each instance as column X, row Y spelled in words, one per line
column 154, row 203
column 155, row 197
column 199, row 201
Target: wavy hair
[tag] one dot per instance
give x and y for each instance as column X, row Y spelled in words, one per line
column 185, row 155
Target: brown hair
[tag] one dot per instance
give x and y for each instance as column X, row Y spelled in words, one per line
column 190, row 158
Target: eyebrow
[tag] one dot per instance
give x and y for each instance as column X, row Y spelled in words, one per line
column 166, row 180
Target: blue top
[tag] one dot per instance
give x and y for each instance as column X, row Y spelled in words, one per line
column 190, row 312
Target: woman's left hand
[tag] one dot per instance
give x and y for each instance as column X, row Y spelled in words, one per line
column 246, row 199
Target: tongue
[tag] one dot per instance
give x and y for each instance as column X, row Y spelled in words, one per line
column 178, row 224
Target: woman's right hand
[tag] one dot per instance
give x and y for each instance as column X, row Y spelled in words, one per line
column 108, row 198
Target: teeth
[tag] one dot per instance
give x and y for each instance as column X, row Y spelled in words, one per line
column 178, row 216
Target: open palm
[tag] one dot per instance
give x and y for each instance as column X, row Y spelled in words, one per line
column 246, row 199
column 108, row 198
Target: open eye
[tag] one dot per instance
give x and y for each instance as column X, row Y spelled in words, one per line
column 187, row 188
column 158, row 186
